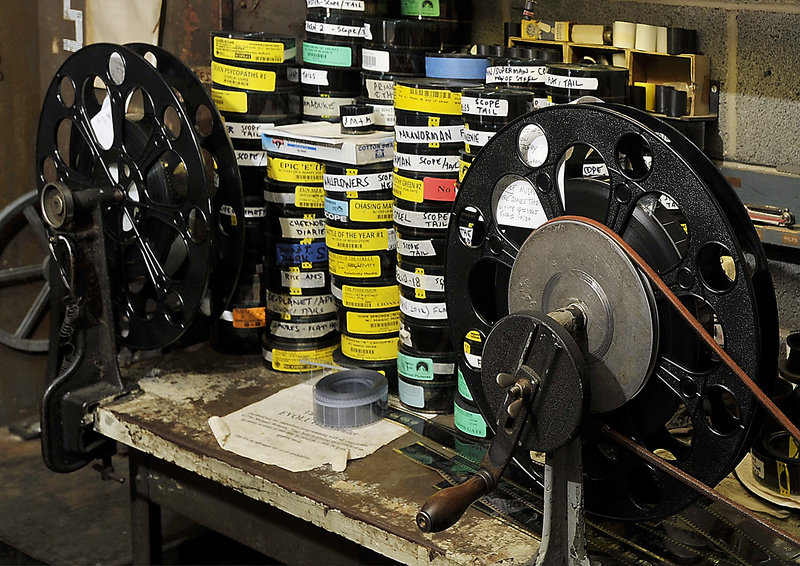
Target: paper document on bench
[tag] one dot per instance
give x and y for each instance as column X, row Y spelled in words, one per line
column 280, row 430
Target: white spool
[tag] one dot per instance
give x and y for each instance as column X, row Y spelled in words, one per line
column 624, row 35
column 646, row 36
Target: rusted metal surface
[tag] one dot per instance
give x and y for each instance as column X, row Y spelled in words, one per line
column 373, row 502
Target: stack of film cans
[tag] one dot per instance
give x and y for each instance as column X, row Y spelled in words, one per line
column 250, row 87
column 301, row 314
column 428, row 138
column 331, row 72
column 361, row 242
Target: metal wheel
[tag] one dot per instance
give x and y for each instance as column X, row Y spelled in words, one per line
column 645, row 181
column 18, row 221
column 109, row 120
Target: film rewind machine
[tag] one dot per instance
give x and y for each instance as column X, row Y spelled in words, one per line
column 625, row 310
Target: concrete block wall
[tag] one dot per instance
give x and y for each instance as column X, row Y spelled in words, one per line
column 755, row 55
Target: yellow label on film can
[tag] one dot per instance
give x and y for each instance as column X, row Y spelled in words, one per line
column 309, row 196
column 369, row 350
column 357, row 240
column 354, row 266
column 241, row 77
column 286, row 360
column 373, row 322
column 248, row 51
column 432, row 101
column 412, row 190
column 229, row 100
column 370, row 297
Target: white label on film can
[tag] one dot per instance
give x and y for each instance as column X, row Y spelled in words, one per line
column 433, row 283
column 423, row 311
column 484, row 106
column 379, row 89
column 316, row 77
column 301, row 330
column 368, row 182
column 417, row 219
column 352, row 5
column 426, row 163
column 477, row 137
column 429, row 134
column 384, row 115
column 515, row 74
column 251, row 158
column 244, row 131
column 302, row 228
column 375, row 60
column 303, row 279
column 324, row 106
column 358, row 121
column 416, row 248
column 574, row 83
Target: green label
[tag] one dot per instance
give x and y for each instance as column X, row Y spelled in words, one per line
column 463, row 390
column 328, row 55
column 424, row 8
column 412, row 367
column 469, row 422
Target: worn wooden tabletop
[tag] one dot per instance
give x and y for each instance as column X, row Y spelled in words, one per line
column 373, row 502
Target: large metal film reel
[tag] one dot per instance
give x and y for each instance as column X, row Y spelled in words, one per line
column 110, row 120
column 649, row 184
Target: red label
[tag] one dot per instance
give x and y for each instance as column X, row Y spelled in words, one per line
column 439, row 189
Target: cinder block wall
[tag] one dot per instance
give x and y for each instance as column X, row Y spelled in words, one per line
column 755, row 54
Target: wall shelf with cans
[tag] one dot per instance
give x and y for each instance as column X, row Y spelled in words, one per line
column 645, row 67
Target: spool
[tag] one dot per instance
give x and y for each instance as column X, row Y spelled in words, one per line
column 357, row 119
column 253, row 48
column 489, row 50
column 624, row 35
column 426, row 397
column 296, row 356
column 456, row 66
column 567, row 82
column 269, row 106
column 366, row 294
column 350, row 398
column 527, row 74
column 637, row 96
column 646, row 37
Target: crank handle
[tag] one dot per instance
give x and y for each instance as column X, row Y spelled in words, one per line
column 444, row 508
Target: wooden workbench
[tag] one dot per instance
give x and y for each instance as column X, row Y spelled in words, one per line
column 372, row 504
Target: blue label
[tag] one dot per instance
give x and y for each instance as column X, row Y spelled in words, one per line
column 336, row 207
column 293, row 254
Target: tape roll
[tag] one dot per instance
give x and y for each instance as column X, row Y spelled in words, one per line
column 646, row 37
column 567, row 82
column 282, row 101
column 430, row 337
column 776, row 463
column 297, row 356
column 420, row 187
column 367, row 265
column 365, row 210
column 331, row 80
column 323, row 25
column 372, row 323
column 426, row 397
column 323, row 104
column 357, row 119
column 310, row 308
column 366, row 294
column 252, row 48
column 350, row 398
column 624, row 35
column 456, row 66
column 386, row 58
column 342, row 54
column 467, row 417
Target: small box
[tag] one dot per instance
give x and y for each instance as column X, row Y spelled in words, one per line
column 323, row 141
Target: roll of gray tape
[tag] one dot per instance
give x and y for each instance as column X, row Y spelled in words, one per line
column 350, row 398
